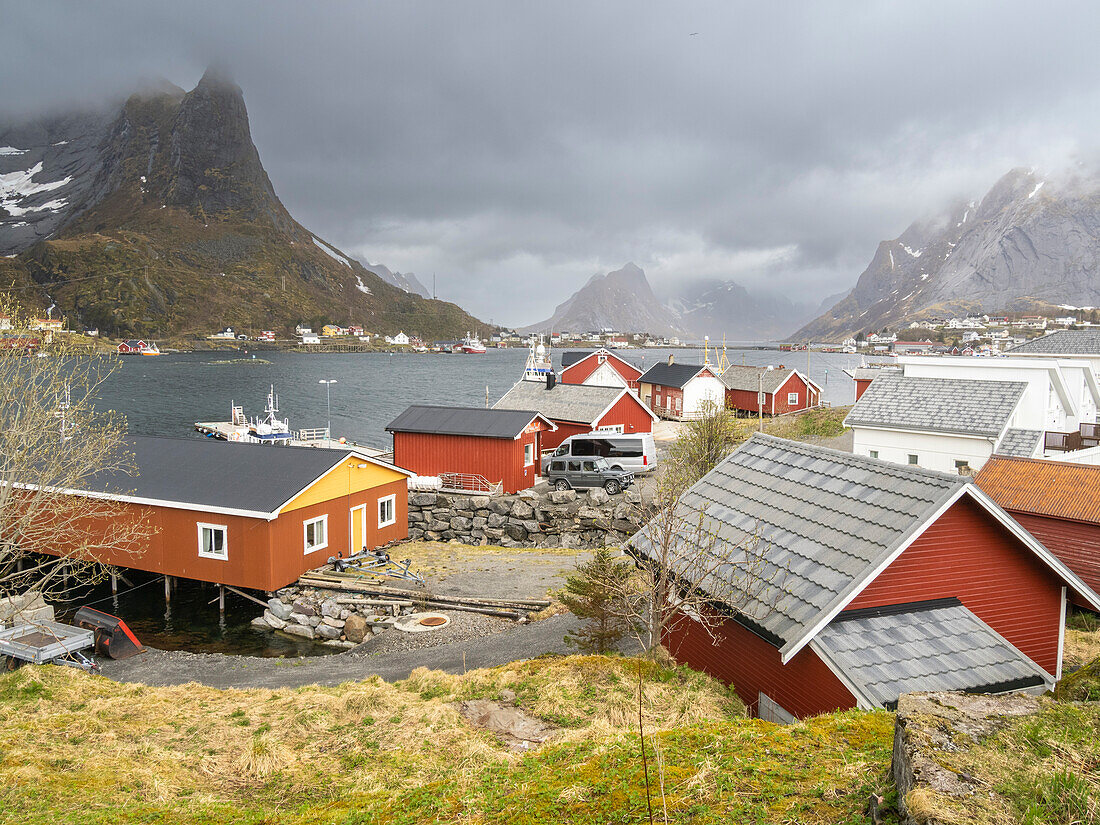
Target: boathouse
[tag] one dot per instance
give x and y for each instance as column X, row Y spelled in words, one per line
column 840, row 581
column 249, row 515
column 680, row 391
column 601, row 368
column 132, row 345
column 1058, row 502
column 783, row 390
column 471, row 447
column 579, row 408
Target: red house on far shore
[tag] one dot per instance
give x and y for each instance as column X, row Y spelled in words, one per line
column 785, row 390
column 131, row 346
column 601, row 368
column 866, row 580
column 500, row 446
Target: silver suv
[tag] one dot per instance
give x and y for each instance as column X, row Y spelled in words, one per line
column 578, row 473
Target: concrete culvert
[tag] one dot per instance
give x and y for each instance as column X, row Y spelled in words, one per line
column 421, row 622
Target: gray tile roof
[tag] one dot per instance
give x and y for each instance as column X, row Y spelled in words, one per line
column 581, row 403
column 869, row 373
column 670, row 375
column 211, row 473
column 948, row 405
column 934, row 646
column 1020, row 443
column 749, row 378
column 476, row 421
column 823, row 520
column 1062, row 342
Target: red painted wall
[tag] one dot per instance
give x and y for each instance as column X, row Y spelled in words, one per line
column 630, row 413
column 578, row 372
column 552, row 440
column 804, row 686
column 1076, row 543
column 969, row 555
column 498, row 459
column 664, row 400
column 775, row 404
column 861, row 387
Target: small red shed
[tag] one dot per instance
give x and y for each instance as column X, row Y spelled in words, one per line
column 601, row 368
column 859, row 580
column 131, row 346
column 785, row 390
column 501, row 446
column 1057, row 501
column 579, row 408
column 250, row 515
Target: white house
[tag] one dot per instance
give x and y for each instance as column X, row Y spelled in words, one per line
column 401, row 339
column 1063, row 343
column 680, row 391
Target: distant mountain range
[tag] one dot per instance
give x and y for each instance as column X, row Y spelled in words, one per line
column 156, row 217
column 624, row 301
column 1030, row 243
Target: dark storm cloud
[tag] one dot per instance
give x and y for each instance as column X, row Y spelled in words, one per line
column 515, row 149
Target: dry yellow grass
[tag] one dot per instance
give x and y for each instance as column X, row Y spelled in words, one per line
column 437, row 560
column 1081, row 647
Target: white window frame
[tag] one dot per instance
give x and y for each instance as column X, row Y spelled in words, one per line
column 873, row 453
column 392, row 500
column 224, row 555
column 913, row 459
column 792, row 398
column 528, row 454
column 306, row 548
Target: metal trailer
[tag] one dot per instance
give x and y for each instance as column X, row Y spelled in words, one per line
column 47, row 643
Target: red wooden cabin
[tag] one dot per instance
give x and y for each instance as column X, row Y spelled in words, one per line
column 131, row 346
column 502, row 446
column 579, row 408
column 872, row 579
column 785, row 390
column 601, row 368
column 249, row 515
column 1057, row 501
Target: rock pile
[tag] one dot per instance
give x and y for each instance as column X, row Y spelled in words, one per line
column 326, row 617
column 562, row 518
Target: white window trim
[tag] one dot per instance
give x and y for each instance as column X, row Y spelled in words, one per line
column 528, row 455
column 393, row 509
column 792, row 398
column 306, row 549
column 224, row 556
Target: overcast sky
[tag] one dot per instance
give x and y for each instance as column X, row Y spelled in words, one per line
column 515, row 148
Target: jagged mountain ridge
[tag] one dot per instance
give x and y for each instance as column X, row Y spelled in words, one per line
column 1031, row 240
column 157, row 217
column 725, row 308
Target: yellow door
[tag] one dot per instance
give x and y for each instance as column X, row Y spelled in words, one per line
column 358, row 528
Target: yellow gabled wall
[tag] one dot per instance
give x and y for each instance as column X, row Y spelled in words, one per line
column 347, row 477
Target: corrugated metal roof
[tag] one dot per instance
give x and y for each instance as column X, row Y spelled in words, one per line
column 670, row 375
column 823, row 520
column 581, row 403
column 1059, row 489
column 205, row 472
column 1020, row 443
column 750, row 378
column 948, row 405
column 475, row 421
column 1062, row 342
column 937, row 646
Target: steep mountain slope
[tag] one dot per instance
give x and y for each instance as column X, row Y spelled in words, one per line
column 725, row 308
column 158, row 218
column 1030, row 240
column 621, row 300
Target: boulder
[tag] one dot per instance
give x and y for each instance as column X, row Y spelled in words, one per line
column 479, row 523
column 329, row 608
column 522, row 510
column 496, row 520
column 313, row 621
column 480, row 502
column 416, row 518
column 302, row 630
column 345, row 613
column 624, row 511
column 328, row 631
column 431, row 535
column 304, row 609
column 423, row 499
column 515, row 532
column 355, row 628
column 494, row 533
column 500, row 506
column 437, row 525
column 332, row 621
column 563, row 496
column 623, row 526
column 531, row 526
column 596, row 496
column 297, row 618
column 460, row 524
column 632, row 496
column 279, row 608
column 273, row 620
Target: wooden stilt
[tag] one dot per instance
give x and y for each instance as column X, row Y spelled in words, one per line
column 114, row 585
column 221, row 599
column 167, row 589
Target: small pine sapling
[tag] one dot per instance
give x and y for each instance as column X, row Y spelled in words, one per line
column 599, row 592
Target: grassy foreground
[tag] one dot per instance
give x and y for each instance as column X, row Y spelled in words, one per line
column 76, row 748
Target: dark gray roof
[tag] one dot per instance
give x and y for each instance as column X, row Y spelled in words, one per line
column 477, row 421
column 948, row 405
column 931, row 647
column 750, row 378
column 670, row 375
column 581, row 403
column 822, row 520
column 205, row 472
column 1019, row 443
column 1062, row 342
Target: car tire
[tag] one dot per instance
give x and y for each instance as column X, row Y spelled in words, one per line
column 617, row 468
column 561, row 484
column 612, row 488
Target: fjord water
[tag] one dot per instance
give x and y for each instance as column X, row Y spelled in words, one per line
column 166, row 395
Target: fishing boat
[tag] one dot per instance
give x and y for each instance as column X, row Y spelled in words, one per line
column 471, row 345
column 539, row 362
column 150, row 349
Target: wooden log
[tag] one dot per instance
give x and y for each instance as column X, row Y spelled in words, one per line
column 375, row 602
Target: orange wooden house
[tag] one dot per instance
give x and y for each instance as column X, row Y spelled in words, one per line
column 251, row 515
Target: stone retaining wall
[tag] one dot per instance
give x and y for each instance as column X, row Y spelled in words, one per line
column 552, row 519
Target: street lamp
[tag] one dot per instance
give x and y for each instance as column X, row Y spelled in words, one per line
column 760, row 400
column 328, row 405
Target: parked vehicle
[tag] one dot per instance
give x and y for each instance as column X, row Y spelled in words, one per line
column 636, row 453
column 576, row 473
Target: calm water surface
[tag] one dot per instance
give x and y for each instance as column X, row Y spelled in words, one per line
column 166, row 395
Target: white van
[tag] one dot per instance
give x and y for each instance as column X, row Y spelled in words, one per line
column 635, row 453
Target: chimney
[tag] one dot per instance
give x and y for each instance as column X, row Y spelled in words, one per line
column 670, row 357
column 551, row 380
